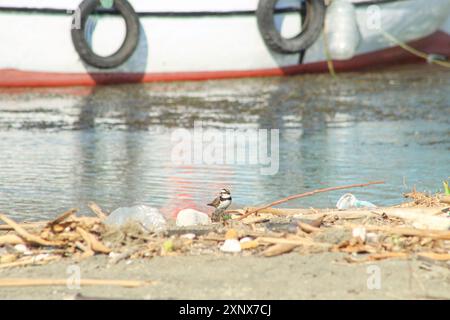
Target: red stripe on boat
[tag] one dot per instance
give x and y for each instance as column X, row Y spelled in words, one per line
column 438, row 43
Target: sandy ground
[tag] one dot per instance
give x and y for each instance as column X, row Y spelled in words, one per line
column 291, row 276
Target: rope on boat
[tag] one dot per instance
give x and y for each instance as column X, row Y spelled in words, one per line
column 330, row 64
column 428, row 57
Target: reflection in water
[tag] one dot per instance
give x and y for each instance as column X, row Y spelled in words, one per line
column 113, row 145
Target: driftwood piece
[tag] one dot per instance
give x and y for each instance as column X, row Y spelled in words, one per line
column 307, row 227
column 358, row 248
column 279, row 249
column 445, row 199
column 87, row 251
column 281, row 211
column 11, row 239
column 23, row 282
column 434, row 234
column 28, row 237
column 63, row 217
column 25, row 225
column 378, row 257
column 298, row 241
column 352, row 214
column 97, row 210
column 422, row 218
column 29, row 261
column 8, row 258
column 125, row 255
column 87, row 222
column 387, row 255
column 434, row 256
column 92, row 241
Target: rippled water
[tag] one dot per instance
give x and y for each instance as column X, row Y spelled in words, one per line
column 112, row 145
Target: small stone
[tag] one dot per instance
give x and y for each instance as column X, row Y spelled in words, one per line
column 113, row 255
column 191, row 217
column 231, row 245
column 245, row 239
column 359, row 232
column 41, row 257
column 23, row 249
column 189, row 236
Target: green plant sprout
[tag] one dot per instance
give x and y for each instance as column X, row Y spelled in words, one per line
column 446, row 188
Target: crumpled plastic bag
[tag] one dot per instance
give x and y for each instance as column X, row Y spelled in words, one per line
column 149, row 217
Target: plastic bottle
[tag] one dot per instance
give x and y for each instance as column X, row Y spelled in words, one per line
column 348, row 201
column 149, row 217
column 343, row 35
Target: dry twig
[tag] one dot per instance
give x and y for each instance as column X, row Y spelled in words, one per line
column 307, row 194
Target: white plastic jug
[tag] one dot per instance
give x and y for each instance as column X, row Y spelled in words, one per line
column 342, row 30
column 348, row 201
column 149, row 217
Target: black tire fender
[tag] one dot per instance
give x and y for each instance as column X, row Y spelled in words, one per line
column 86, row 8
column 312, row 26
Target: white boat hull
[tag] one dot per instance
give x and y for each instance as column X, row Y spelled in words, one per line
column 183, row 47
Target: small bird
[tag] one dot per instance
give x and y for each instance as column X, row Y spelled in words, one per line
column 221, row 203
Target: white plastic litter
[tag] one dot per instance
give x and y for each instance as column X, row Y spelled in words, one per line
column 231, row 245
column 348, row 201
column 359, row 232
column 245, row 239
column 113, row 255
column 189, row 236
column 22, row 249
column 41, row 257
column 191, row 217
column 342, row 30
column 149, row 217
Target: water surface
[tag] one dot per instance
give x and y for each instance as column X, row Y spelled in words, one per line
column 112, row 145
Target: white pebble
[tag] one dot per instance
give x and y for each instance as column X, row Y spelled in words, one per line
column 246, row 239
column 231, row 245
column 189, row 236
column 41, row 257
column 191, row 217
column 113, row 255
column 23, row 249
column 359, row 232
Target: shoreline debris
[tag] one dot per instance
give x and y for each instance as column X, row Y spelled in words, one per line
column 410, row 230
column 308, row 194
column 348, row 201
column 150, row 218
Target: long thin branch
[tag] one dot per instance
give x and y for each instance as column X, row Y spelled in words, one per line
column 430, row 233
column 23, row 282
column 307, row 194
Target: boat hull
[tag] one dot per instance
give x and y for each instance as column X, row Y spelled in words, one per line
column 37, row 48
